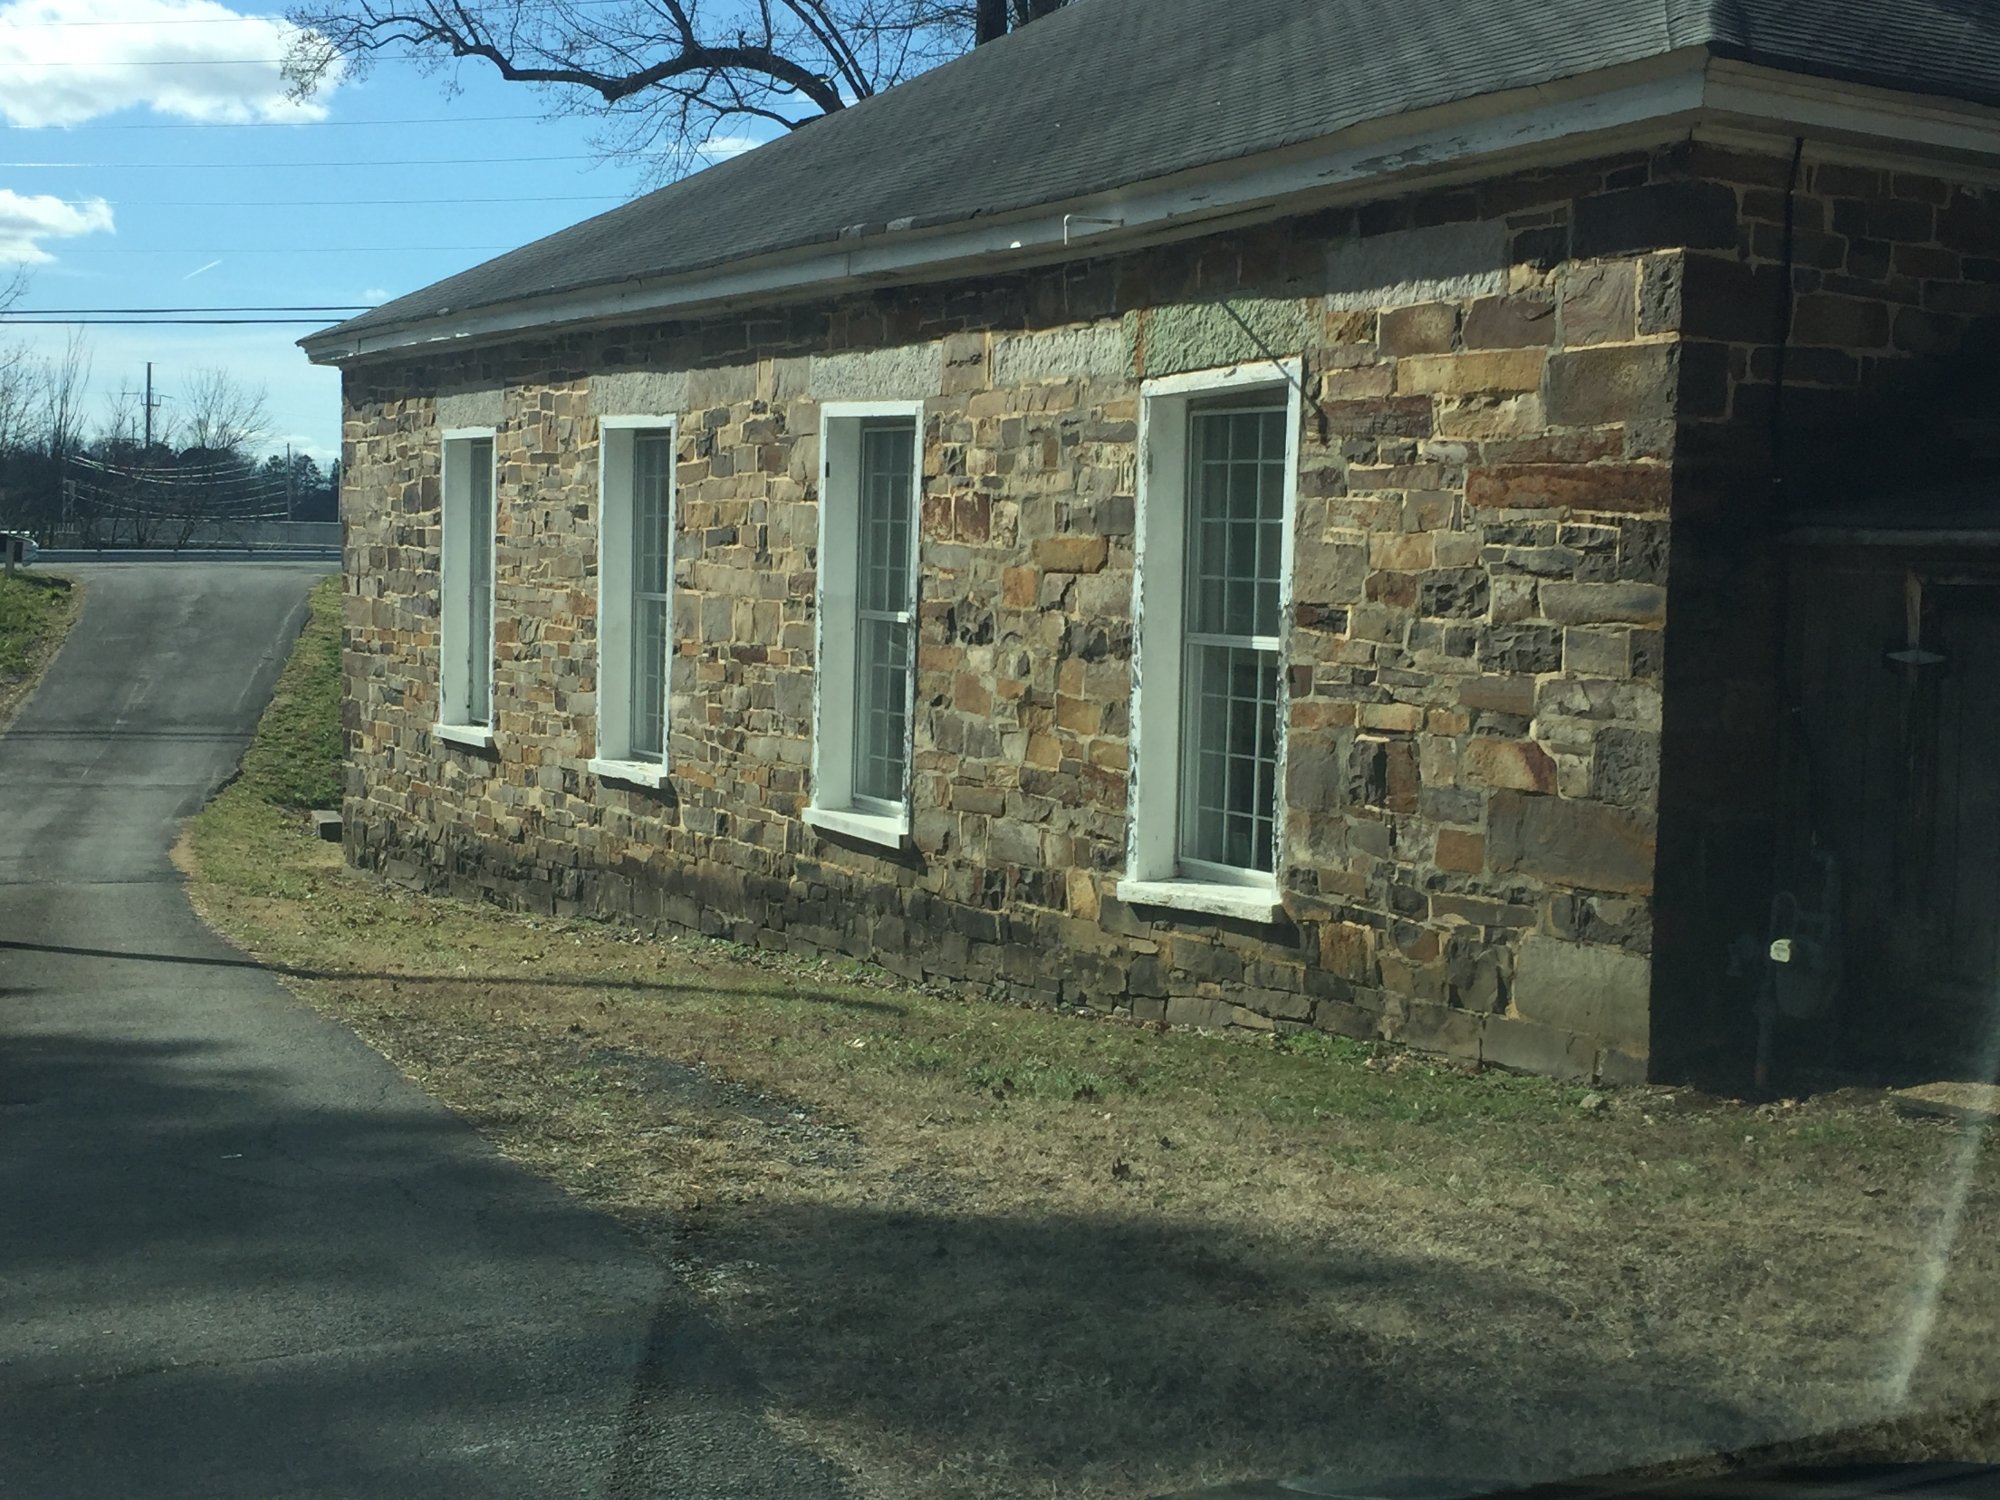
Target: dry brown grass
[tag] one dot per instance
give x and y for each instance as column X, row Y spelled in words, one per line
column 979, row 1251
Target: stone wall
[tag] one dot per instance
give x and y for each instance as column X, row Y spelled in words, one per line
column 1884, row 303
column 1498, row 380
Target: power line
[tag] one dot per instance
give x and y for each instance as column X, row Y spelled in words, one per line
column 335, row 202
column 163, row 322
column 297, row 124
column 281, row 249
column 237, row 166
column 43, row 312
column 235, row 20
column 171, row 62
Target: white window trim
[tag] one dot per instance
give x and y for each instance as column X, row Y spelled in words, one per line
column 472, row 736
column 648, row 773
column 875, row 828
column 1153, row 872
column 834, row 808
column 614, row 601
column 452, row 725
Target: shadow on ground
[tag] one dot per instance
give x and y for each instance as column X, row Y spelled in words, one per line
column 1103, row 1355
column 215, row 1281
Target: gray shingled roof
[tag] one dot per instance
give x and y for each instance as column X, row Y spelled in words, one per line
column 1106, row 93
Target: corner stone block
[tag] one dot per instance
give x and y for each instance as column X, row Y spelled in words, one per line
column 1697, row 215
column 1524, row 1047
column 1603, row 993
column 1582, row 845
column 1597, row 653
column 1612, row 383
column 1604, row 603
column 1600, row 304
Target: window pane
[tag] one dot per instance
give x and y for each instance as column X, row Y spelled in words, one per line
column 1236, row 521
column 480, row 522
column 887, row 450
column 883, row 632
column 652, row 469
column 652, row 520
column 882, row 702
column 1235, row 540
column 1232, row 756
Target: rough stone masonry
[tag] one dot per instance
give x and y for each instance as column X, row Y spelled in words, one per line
column 1515, row 393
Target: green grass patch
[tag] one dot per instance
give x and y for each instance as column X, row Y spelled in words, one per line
column 34, row 610
column 249, row 836
column 295, row 761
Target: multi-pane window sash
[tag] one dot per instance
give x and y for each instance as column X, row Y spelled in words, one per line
column 479, row 522
column 1230, row 641
column 652, row 475
column 883, row 617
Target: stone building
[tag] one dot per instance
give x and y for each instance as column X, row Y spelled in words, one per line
column 1307, row 526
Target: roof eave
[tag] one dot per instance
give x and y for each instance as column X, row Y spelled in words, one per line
column 1685, row 91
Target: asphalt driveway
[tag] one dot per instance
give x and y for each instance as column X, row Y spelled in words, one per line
column 239, row 1255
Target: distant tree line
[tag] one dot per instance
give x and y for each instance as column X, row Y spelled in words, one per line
column 204, row 472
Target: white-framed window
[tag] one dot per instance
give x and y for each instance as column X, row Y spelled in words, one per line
column 465, row 588
column 1218, row 483
column 635, row 609
column 871, row 484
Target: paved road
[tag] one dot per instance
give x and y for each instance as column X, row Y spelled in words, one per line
column 239, row 1256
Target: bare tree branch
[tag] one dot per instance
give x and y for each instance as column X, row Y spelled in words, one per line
column 666, row 76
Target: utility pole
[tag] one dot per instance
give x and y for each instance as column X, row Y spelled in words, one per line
column 149, row 407
column 288, row 484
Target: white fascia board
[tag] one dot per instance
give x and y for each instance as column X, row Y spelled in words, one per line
column 1787, row 104
column 1650, row 103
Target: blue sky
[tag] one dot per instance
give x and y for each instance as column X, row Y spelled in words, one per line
column 150, row 158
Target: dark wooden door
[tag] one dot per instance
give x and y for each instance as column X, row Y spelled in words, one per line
column 1900, row 783
column 1958, row 879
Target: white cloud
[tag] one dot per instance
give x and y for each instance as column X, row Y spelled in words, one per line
column 63, row 62
column 25, row 222
column 375, row 294
column 722, row 147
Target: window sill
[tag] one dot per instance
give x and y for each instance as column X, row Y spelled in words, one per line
column 1248, row 903
column 875, row 828
column 472, row 736
column 648, row 773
